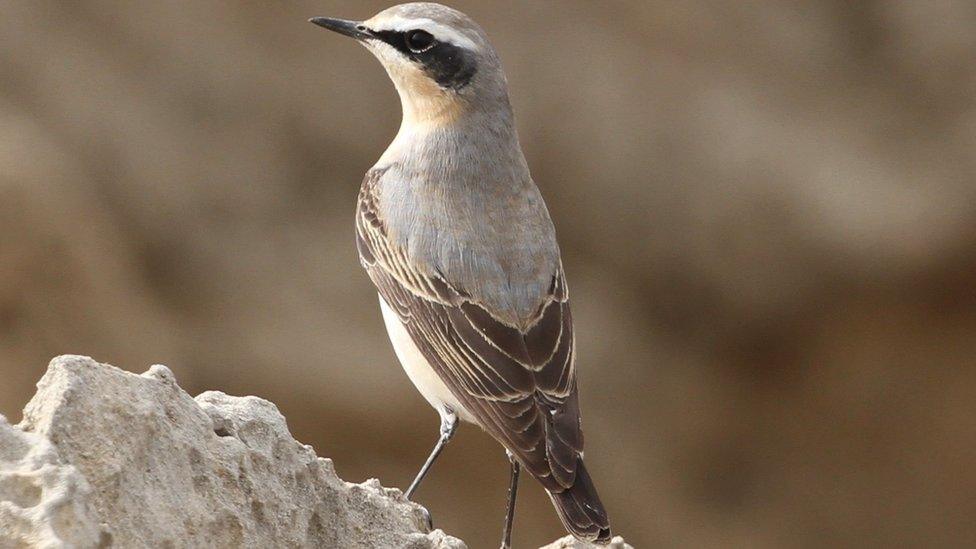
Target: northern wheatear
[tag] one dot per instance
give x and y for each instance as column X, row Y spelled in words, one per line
column 457, row 239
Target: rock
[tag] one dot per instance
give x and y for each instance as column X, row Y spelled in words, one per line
column 104, row 457
column 569, row 542
column 43, row 501
column 159, row 468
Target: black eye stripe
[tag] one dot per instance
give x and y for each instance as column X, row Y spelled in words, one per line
column 396, row 39
column 452, row 67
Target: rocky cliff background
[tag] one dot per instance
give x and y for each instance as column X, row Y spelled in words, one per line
column 767, row 211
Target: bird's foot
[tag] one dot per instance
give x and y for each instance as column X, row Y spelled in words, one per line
column 428, row 520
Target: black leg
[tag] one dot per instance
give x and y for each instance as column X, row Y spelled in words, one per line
column 510, row 514
column 449, row 423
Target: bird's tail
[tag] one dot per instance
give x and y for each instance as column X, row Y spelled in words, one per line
column 580, row 509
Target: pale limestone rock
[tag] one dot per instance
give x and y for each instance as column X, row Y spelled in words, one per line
column 569, row 543
column 105, row 458
column 43, row 502
column 216, row 471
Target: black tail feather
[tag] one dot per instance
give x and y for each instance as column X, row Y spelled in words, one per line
column 580, row 509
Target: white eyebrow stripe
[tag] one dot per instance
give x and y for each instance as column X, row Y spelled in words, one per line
column 440, row 32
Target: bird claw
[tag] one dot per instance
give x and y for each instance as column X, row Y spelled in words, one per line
column 428, row 520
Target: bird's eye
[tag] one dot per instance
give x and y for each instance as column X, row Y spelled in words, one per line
column 419, row 41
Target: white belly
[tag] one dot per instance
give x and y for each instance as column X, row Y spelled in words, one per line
column 418, row 369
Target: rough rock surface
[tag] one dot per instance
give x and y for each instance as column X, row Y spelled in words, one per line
column 104, row 457
column 152, row 467
column 42, row 500
column 569, row 542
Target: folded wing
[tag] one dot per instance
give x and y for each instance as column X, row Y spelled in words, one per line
column 519, row 384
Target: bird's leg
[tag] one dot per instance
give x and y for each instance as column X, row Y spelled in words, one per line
column 510, row 513
column 449, row 423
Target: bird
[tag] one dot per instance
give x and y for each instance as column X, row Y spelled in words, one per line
column 455, row 235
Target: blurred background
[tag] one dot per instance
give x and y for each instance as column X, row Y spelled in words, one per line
column 767, row 212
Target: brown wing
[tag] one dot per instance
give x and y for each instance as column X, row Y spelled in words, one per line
column 519, row 384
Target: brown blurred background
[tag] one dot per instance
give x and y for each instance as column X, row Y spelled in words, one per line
column 767, row 211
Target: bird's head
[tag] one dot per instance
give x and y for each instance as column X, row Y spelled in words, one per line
column 440, row 61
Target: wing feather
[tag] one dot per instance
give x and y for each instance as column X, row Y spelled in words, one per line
column 519, row 384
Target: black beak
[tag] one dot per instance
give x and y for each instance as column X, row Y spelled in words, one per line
column 352, row 29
